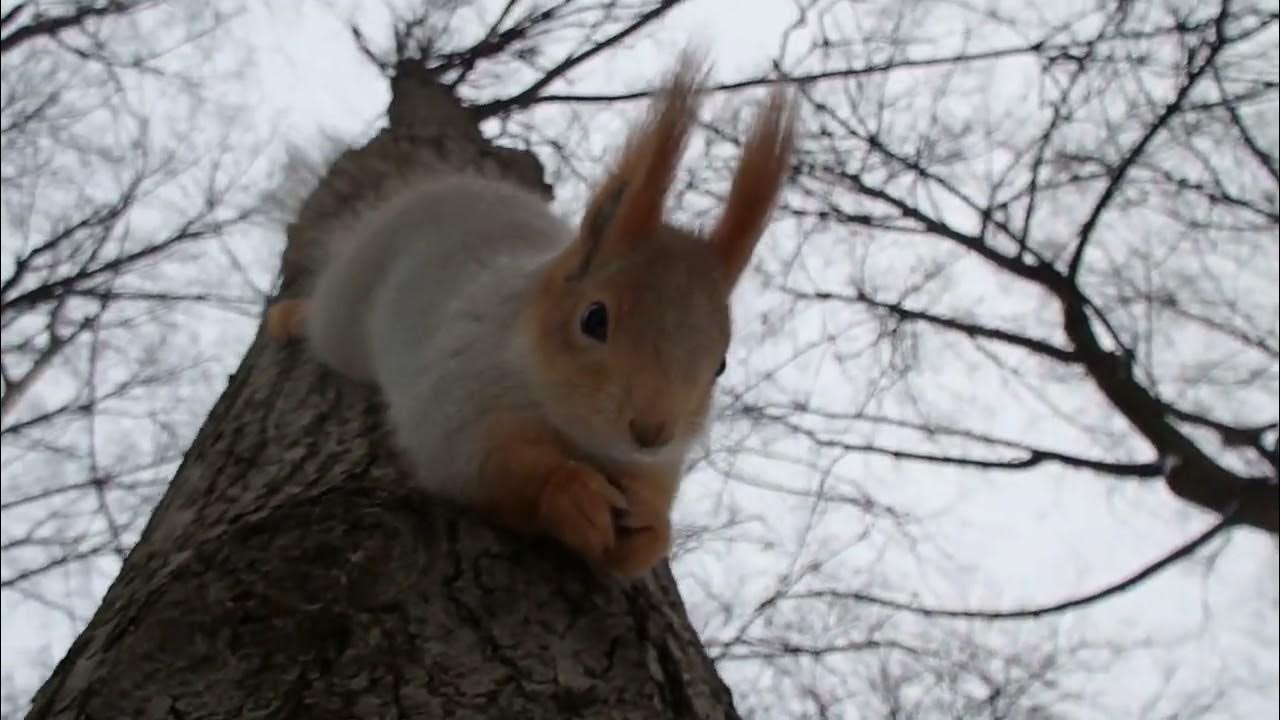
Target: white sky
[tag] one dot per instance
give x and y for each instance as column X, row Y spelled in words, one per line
column 1072, row 536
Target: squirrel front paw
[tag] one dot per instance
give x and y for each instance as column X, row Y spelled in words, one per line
column 643, row 539
column 576, row 507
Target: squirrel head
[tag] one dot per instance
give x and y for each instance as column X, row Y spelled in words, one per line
column 630, row 324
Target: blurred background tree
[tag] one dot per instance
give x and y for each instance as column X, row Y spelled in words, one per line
column 127, row 175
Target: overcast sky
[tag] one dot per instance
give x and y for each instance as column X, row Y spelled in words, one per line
column 1070, row 536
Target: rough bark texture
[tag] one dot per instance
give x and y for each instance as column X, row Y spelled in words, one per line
column 291, row 572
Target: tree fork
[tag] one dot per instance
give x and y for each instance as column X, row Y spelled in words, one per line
column 291, row 570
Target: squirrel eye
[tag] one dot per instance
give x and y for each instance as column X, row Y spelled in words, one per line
column 595, row 322
column 720, row 370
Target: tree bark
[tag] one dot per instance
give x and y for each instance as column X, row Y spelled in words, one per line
column 292, row 571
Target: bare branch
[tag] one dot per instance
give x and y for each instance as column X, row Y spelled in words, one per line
column 1128, row 582
column 1039, row 347
column 1198, row 67
column 42, row 25
column 525, row 97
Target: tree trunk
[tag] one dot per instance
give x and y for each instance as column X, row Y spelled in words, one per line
column 291, row 571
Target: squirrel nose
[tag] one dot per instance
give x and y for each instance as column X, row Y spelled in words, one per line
column 649, row 435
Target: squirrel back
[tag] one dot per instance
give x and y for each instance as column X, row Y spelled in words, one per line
column 400, row 272
column 423, row 297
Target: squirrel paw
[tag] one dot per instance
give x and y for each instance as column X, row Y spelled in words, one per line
column 284, row 319
column 577, row 507
column 644, row 537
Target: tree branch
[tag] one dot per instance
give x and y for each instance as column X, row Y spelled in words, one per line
column 522, row 98
column 1031, row 456
column 1118, row 173
column 1039, row 347
column 45, row 25
column 1128, row 582
column 1191, row 474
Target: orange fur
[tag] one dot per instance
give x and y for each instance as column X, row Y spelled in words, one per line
column 532, row 486
column 285, row 319
column 644, row 531
column 628, row 204
column 630, row 259
column 641, row 537
column 765, row 162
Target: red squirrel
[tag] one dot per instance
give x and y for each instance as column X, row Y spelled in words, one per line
column 551, row 377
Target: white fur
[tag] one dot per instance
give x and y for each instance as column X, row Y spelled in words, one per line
column 422, row 298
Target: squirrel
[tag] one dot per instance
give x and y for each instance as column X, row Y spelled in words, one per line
column 551, row 377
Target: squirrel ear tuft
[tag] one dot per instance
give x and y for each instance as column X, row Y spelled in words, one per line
column 766, row 160
column 628, row 204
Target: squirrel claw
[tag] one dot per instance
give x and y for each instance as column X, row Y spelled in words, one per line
column 637, row 551
column 577, row 508
column 643, row 539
